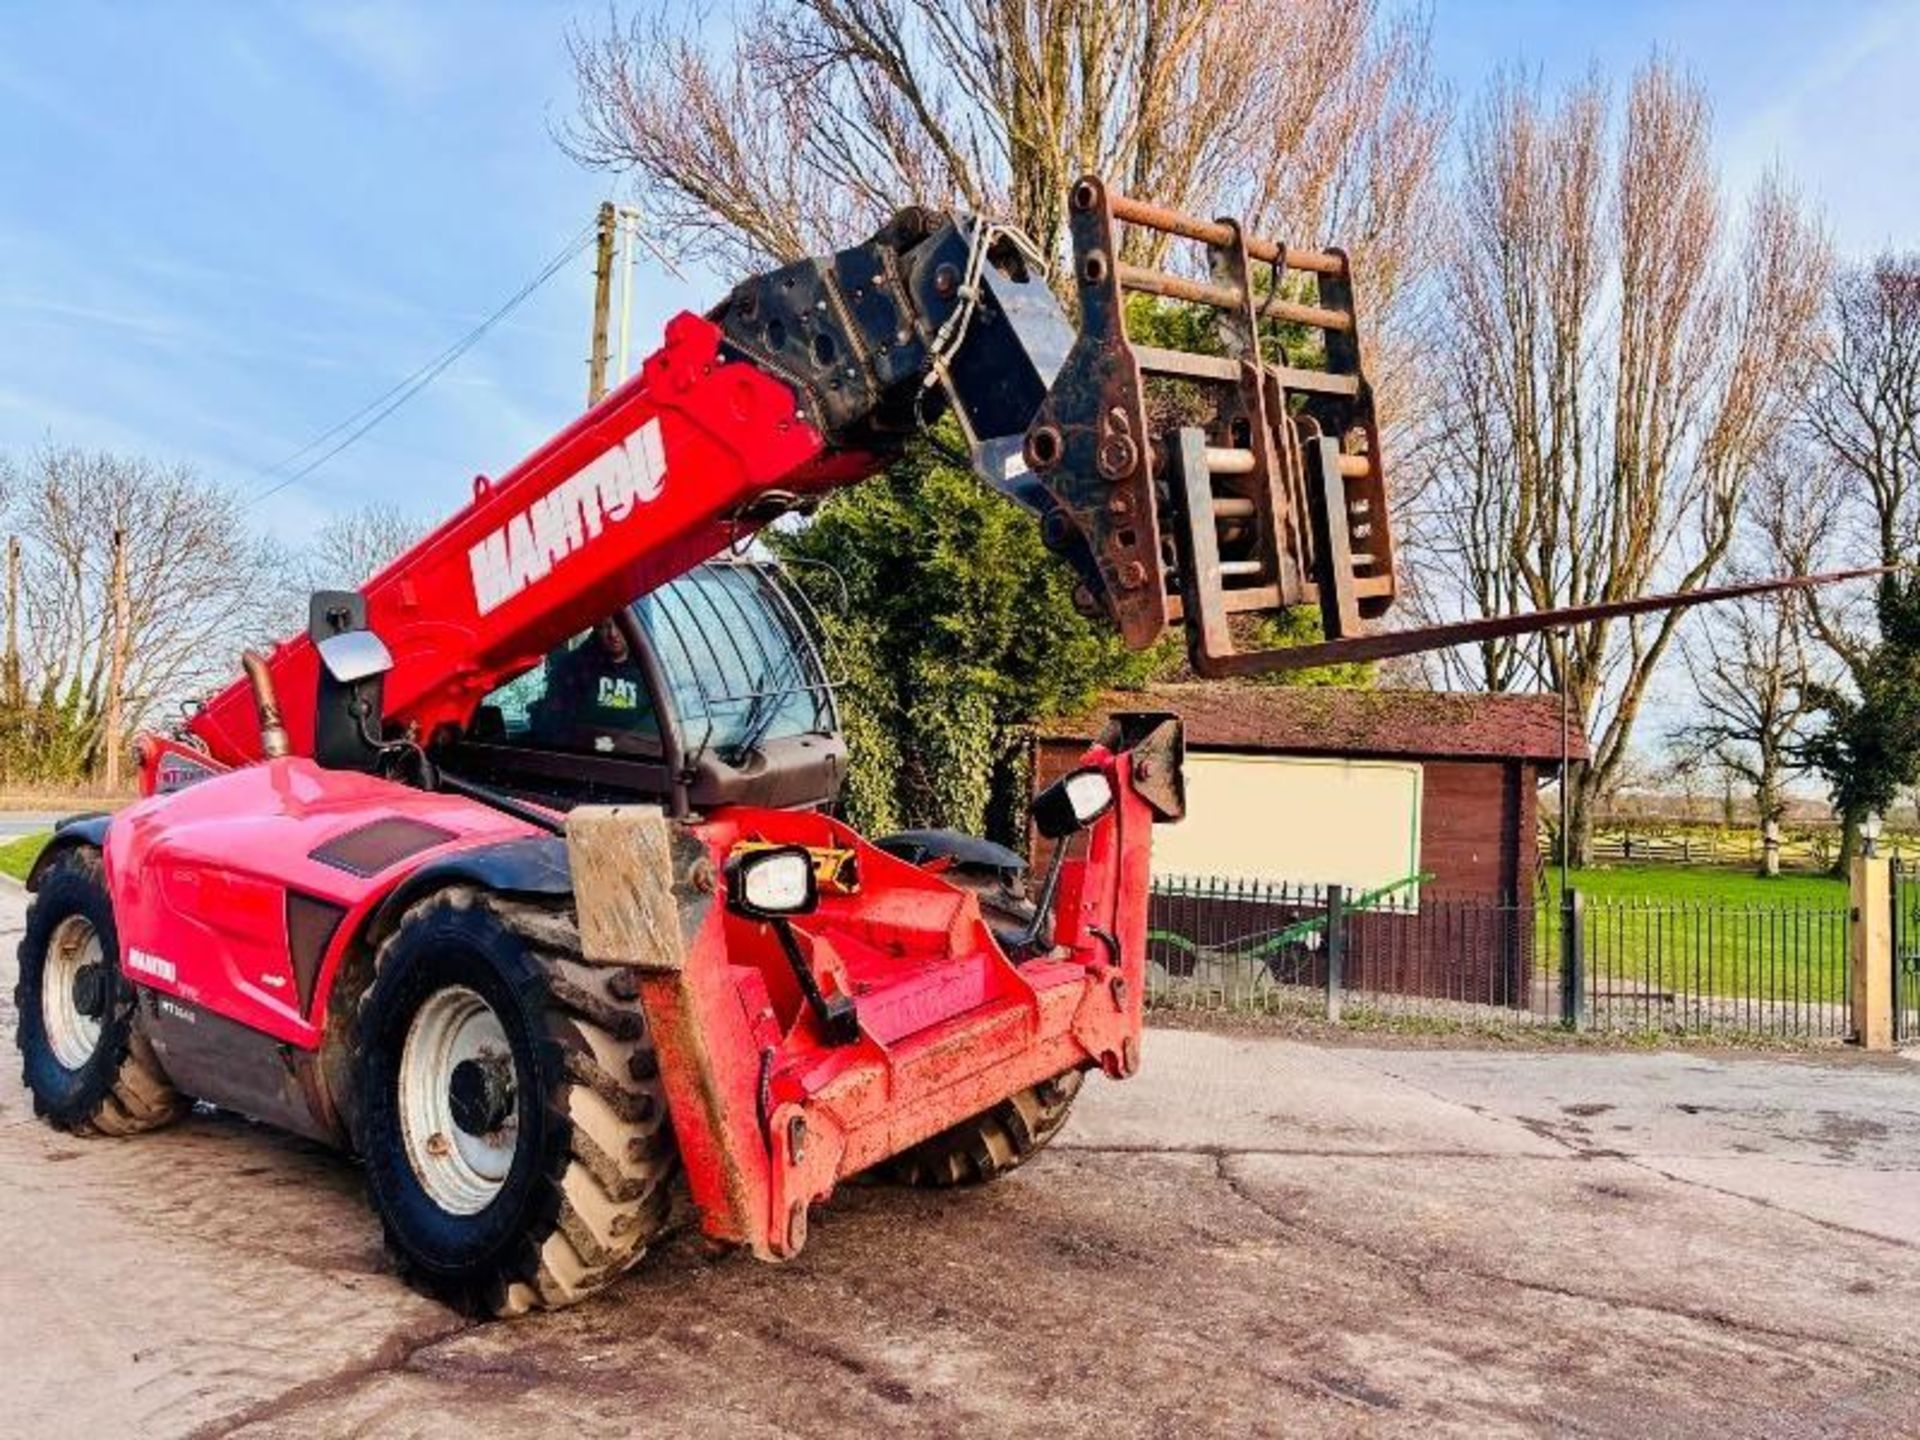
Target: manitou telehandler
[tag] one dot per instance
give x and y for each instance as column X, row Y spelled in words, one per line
column 516, row 874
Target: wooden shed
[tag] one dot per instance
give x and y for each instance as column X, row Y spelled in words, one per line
column 1427, row 801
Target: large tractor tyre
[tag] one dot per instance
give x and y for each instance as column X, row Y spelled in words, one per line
column 512, row 1122
column 88, row 1067
column 992, row 1142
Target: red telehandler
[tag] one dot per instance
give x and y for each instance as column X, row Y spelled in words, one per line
column 515, row 875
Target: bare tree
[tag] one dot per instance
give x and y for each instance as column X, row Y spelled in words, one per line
column 195, row 586
column 1754, row 663
column 119, row 656
column 1748, row 670
column 1863, row 417
column 819, row 118
column 353, row 546
column 1624, row 366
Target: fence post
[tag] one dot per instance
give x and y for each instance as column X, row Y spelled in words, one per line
column 1871, row 887
column 1573, row 983
column 1336, row 949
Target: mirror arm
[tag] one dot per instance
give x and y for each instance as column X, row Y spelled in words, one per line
column 1043, row 907
column 837, row 1015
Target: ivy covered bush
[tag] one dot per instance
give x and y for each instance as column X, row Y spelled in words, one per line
column 957, row 633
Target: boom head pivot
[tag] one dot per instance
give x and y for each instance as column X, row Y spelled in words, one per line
column 1183, row 486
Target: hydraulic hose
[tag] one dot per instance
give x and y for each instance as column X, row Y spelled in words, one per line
column 266, row 705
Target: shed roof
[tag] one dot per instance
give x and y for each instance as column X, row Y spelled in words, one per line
column 1336, row 720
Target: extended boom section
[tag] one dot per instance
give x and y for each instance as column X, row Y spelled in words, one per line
column 1182, row 488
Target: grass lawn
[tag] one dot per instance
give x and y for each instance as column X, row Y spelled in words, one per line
column 1673, row 930
column 17, row 855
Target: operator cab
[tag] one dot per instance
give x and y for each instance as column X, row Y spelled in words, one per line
column 707, row 691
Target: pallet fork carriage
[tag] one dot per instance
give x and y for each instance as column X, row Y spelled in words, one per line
column 516, row 873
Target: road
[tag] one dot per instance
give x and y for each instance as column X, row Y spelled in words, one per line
column 15, row 823
column 1256, row 1236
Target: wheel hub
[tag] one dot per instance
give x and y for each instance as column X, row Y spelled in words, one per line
column 74, row 986
column 90, row 990
column 481, row 1094
column 459, row 1100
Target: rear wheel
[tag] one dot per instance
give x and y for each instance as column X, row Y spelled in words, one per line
column 512, row 1123
column 88, row 1068
column 992, row 1142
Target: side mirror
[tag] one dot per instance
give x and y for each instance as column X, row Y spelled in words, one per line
column 772, row 884
column 1072, row 803
column 354, row 655
column 348, row 696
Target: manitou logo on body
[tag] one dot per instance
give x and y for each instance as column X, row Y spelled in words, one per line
column 568, row 517
column 142, row 963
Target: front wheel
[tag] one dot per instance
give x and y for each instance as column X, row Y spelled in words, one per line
column 512, row 1123
column 87, row 1066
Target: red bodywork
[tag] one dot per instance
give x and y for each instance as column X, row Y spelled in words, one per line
column 200, row 880
column 769, row 1116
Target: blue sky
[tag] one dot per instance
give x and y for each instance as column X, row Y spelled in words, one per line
column 224, row 227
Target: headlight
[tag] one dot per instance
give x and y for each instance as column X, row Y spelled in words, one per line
column 764, row 884
column 1072, row 803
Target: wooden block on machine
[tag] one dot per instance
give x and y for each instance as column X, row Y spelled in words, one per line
column 623, row 885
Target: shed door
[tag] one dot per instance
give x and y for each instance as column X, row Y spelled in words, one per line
column 1289, row 820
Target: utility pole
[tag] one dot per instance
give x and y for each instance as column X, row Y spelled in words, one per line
column 117, row 659
column 602, row 300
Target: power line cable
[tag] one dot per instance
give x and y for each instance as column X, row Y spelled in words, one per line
column 381, row 406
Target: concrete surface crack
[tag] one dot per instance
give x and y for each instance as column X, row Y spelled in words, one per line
column 396, row 1352
column 1834, row 1226
column 1409, row 1276
column 1417, row 1270
column 1576, row 1148
column 1303, row 1152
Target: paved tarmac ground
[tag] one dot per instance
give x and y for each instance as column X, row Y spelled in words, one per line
column 1256, row 1236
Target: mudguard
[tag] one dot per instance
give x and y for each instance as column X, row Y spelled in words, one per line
column 89, row 828
column 534, row 865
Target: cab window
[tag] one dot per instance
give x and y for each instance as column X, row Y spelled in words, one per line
column 588, row 697
column 739, row 665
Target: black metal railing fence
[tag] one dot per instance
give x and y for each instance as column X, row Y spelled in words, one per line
column 1772, row 969
column 1906, row 951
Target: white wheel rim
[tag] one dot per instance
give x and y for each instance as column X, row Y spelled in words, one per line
column 72, row 1034
column 461, row 1172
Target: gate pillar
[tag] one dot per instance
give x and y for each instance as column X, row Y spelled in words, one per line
column 1871, row 941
